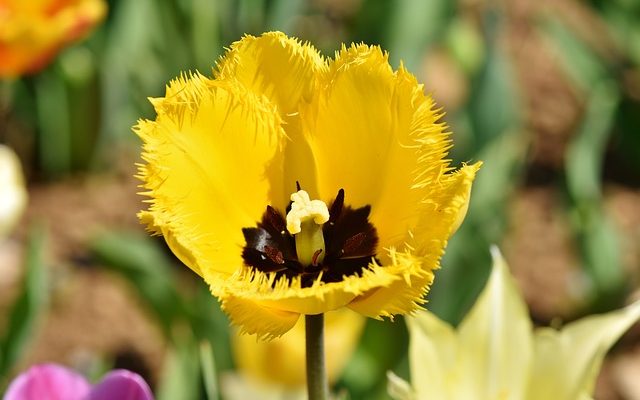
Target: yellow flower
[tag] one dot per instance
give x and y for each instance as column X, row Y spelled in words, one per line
column 495, row 355
column 298, row 185
column 274, row 366
column 13, row 194
column 278, row 361
column 33, row 31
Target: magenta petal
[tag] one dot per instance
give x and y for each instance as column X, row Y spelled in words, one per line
column 48, row 382
column 122, row 385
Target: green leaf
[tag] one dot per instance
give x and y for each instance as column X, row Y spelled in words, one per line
column 597, row 237
column 141, row 261
column 581, row 63
column 29, row 305
column 250, row 17
column 211, row 324
column 466, row 261
column 54, row 130
column 209, row 371
column 365, row 374
column 415, row 25
column 466, row 45
column 78, row 70
column 205, row 33
column 282, row 14
column 181, row 375
column 495, row 103
column 586, row 152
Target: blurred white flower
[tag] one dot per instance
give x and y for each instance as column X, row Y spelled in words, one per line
column 495, row 354
column 13, row 194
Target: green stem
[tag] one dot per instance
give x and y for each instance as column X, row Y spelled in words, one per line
column 317, row 385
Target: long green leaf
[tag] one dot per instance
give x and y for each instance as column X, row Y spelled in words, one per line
column 365, row 374
column 54, row 130
column 209, row 371
column 597, row 238
column 142, row 262
column 466, row 262
column 181, row 375
column 581, row 63
column 282, row 14
column 495, row 102
column 29, row 305
column 415, row 25
column 586, row 152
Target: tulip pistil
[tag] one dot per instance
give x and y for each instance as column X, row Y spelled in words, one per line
column 304, row 221
column 313, row 241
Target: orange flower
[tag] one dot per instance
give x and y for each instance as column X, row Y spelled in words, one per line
column 33, row 31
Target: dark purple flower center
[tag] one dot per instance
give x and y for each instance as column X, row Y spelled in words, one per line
column 350, row 245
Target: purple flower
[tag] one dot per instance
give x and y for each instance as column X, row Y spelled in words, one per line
column 55, row 382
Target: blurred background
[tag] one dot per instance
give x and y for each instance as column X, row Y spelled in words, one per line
column 546, row 93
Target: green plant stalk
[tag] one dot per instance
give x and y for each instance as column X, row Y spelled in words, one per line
column 317, row 384
column 208, row 370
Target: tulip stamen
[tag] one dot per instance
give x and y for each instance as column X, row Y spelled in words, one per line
column 315, row 260
column 313, row 241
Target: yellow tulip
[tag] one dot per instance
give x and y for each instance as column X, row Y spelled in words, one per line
column 274, row 366
column 495, row 354
column 297, row 185
column 33, row 31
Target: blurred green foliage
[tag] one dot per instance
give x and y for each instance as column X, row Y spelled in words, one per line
column 27, row 308
column 188, row 320
column 73, row 114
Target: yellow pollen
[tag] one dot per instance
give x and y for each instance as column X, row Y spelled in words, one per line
column 304, row 209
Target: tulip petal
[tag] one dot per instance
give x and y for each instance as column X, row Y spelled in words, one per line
column 208, row 158
column 278, row 361
column 48, row 382
column 398, row 388
column 254, row 318
column 249, row 289
column 447, row 204
column 285, row 71
column 405, row 294
column 493, row 354
column 376, row 135
column 445, row 208
column 495, row 338
column 122, row 385
column 273, row 65
column 582, row 345
column 433, row 356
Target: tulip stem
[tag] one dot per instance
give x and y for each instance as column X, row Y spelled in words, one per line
column 317, row 385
